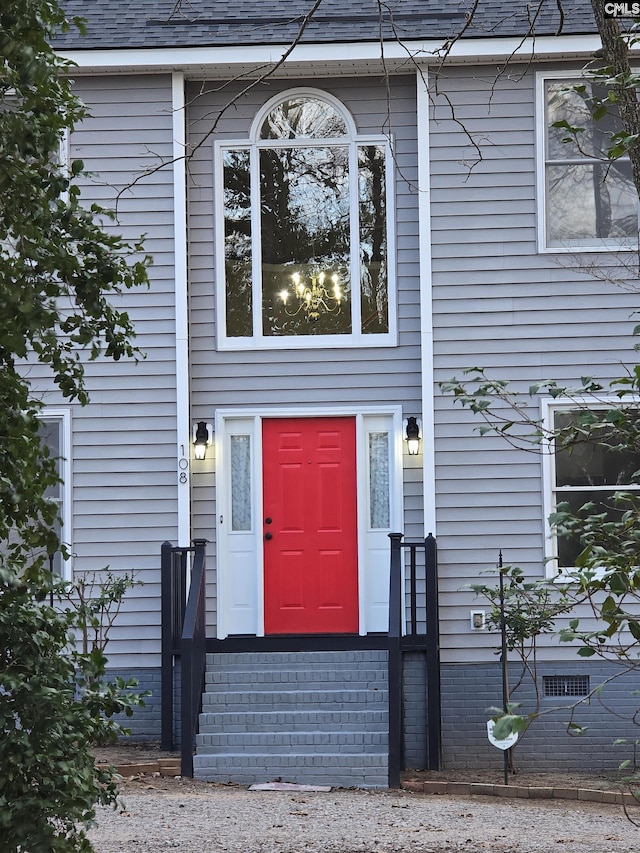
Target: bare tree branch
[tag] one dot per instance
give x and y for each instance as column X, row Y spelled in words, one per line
column 269, row 72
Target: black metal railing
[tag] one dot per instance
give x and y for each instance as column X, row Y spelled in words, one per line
column 173, row 585
column 413, row 617
column 183, row 636
column 396, row 604
column 193, row 657
column 413, row 625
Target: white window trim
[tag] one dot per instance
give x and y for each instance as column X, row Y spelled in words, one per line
column 63, row 417
column 260, row 341
column 602, row 245
column 549, row 407
column 365, row 417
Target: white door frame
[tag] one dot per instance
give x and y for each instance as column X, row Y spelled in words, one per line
column 240, row 560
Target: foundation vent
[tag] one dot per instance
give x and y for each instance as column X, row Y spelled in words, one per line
column 565, row 685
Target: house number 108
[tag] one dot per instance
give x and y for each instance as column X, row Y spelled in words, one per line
column 183, row 464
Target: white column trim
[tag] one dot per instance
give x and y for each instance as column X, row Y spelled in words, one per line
column 426, row 304
column 183, row 432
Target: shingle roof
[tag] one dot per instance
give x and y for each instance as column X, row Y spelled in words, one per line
column 200, row 23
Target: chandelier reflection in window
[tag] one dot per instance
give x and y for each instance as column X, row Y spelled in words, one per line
column 313, row 299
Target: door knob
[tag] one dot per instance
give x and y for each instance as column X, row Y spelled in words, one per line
column 268, row 536
column 268, row 520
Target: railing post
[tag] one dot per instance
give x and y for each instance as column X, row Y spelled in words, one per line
column 199, row 546
column 178, row 594
column 193, row 657
column 166, row 647
column 434, row 711
column 395, row 660
column 186, row 708
column 413, row 594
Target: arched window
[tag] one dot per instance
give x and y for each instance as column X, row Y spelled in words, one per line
column 304, row 248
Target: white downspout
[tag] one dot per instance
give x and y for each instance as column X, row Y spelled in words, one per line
column 426, row 304
column 182, row 309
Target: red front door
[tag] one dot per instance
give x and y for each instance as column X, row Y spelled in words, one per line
column 310, row 526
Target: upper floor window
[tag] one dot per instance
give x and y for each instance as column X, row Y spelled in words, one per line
column 305, row 255
column 587, row 472
column 589, row 201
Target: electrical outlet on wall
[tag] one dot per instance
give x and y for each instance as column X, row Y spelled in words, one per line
column 478, row 619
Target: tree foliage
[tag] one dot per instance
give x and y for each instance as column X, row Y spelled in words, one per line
column 521, row 610
column 608, row 534
column 60, row 271
column 55, row 706
column 59, row 268
column 613, row 72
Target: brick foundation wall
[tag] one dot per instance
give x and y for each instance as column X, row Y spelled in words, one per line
column 469, row 690
column 414, row 712
column 145, row 722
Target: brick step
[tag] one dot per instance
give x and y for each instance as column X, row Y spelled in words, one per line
column 301, row 678
column 294, row 660
column 298, row 743
column 365, row 770
column 313, row 718
column 249, row 721
column 291, row 700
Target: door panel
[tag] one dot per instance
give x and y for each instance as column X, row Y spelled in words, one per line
column 310, row 526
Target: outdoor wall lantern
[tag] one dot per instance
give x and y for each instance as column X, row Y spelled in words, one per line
column 413, row 436
column 202, row 438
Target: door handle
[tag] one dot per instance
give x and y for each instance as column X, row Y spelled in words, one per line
column 268, row 536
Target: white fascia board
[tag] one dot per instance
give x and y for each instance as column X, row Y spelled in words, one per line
column 406, row 53
column 552, row 47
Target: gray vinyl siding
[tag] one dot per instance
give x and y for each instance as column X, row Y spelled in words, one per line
column 523, row 315
column 328, row 376
column 124, row 441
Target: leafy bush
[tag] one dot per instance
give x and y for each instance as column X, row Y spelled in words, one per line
column 55, row 706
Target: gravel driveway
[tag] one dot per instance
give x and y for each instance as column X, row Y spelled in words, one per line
column 201, row 818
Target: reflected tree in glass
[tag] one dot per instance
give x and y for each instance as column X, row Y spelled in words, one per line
column 373, row 239
column 589, row 195
column 303, row 118
column 319, row 222
column 304, row 226
column 237, row 242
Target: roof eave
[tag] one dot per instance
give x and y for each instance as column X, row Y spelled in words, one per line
column 342, row 58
